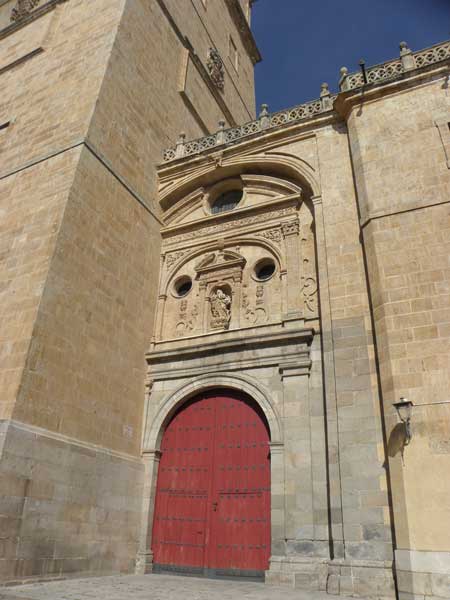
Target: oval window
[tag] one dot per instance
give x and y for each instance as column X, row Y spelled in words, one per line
column 264, row 269
column 183, row 286
column 227, row 201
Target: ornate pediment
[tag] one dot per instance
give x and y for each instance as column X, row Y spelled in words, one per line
column 221, row 259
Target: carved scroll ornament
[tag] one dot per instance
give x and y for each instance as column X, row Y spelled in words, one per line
column 309, row 292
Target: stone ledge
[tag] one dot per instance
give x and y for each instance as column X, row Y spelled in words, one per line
column 418, row 561
column 250, row 342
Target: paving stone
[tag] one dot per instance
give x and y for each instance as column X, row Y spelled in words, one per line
column 154, row 587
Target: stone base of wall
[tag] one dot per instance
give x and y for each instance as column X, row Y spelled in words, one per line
column 66, row 508
column 298, row 572
column 422, row 575
column 367, row 579
column 361, row 578
column 144, row 563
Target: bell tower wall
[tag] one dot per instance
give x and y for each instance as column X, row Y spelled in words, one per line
column 93, row 92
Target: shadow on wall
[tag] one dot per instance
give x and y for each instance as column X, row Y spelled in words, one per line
column 397, row 441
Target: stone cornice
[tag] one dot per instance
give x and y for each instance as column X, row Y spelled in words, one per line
column 243, row 27
column 234, row 341
column 232, row 216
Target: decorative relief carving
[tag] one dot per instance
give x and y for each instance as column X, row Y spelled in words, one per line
column 221, row 227
column 23, row 8
column 259, row 294
column 220, row 309
column 291, row 228
column 187, row 321
column 257, row 314
column 215, row 67
column 172, row 258
column 309, row 292
column 274, row 235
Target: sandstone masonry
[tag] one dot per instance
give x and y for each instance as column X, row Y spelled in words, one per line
column 343, row 199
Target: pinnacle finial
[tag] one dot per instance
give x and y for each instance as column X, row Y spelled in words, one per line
column 264, row 110
column 324, row 90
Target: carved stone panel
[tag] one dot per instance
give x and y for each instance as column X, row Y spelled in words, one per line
column 23, row 8
column 220, row 273
column 216, row 70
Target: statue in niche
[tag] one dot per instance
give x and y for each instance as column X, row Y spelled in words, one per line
column 220, row 309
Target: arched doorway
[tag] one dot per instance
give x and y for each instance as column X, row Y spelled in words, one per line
column 212, row 507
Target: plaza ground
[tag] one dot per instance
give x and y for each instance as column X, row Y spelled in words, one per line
column 154, row 587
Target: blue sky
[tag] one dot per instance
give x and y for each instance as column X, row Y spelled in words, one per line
column 306, row 43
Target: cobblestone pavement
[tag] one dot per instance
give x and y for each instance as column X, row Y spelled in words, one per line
column 154, row 587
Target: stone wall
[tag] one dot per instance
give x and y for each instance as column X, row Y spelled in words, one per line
column 66, row 507
column 92, row 95
column 398, row 148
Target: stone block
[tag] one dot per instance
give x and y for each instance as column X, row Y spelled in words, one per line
column 410, row 596
column 440, row 585
column 414, row 583
column 333, row 585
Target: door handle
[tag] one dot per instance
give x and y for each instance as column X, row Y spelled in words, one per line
column 215, row 504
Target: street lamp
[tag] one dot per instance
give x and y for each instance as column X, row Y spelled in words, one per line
column 404, row 411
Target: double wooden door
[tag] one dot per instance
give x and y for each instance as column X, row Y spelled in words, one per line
column 212, row 508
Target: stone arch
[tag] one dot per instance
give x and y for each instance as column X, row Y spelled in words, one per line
column 210, row 247
column 184, row 393
column 282, row 165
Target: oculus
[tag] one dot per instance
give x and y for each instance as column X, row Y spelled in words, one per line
column 226, row 201
column 182, row 286
column 264, row 269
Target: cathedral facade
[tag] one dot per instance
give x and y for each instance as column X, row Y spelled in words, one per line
column 226, row 351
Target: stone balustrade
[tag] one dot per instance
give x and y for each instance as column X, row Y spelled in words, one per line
column 385, row 72
column 265, row 121
column 393, row 69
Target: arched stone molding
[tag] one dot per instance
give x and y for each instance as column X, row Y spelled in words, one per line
column 282, row 165
column 239, row 382
column 151, row 454
column 210, row 247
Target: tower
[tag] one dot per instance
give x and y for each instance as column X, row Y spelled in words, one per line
column 93, row 92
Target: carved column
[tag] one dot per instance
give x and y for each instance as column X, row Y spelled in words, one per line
column 297, row 440
column 204, row 306
column 144, row 558
column 278, row 509
column 159, row 315
column 291, row 231
column 236, row 301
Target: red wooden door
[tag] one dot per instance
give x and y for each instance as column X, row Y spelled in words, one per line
column 212, row 510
